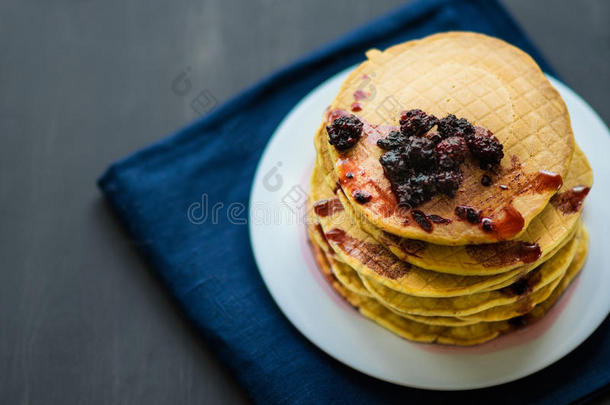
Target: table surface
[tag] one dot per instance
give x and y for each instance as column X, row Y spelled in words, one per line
column 83, row 83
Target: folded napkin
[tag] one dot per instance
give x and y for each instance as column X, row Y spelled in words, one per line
column 210, row 269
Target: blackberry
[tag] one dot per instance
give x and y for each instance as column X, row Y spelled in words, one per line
column 437, row 219
column 427, row 182
column 394, row 140
column 420, row 164
column 448, row 182
column 485, row 147
column 420, row 153
column 407, row 195
column 473, row 216
column 344, row 132
column 452, row 126
column 361, row 197
column 468, row 213
column 416, row 190
column 422, row 220
column 434, row 137
column 487, row 225
column 395, row 165
column 416, row 122
column 451, row 152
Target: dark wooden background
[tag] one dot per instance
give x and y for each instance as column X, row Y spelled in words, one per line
column 83, row 83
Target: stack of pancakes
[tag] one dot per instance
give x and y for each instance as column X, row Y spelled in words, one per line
column 452, row 281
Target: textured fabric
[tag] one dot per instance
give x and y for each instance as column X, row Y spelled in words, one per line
column 210, row 269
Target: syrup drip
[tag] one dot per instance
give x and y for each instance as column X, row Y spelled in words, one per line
column 570, row 201
column 325, row 208
column 504, row 253
column 545, row 181
column 374, row 256
column 509, row 224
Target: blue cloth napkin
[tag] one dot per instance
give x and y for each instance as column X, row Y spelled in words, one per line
column 210, row 269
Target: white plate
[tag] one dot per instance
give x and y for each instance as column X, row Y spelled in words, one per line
column 279, row 243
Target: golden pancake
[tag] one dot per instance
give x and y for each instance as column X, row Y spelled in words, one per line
column 524, row 304
column 347, row 277
column 492, row 84
column 532, row 294
column 344, row 274
column 546, row 233
column 459, row 335
column 462, row 306
column 529, row 304
column 369, row 258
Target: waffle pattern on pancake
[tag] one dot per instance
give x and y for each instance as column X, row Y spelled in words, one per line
column 488, row 82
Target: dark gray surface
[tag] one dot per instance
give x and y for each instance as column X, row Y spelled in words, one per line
column 83, row 83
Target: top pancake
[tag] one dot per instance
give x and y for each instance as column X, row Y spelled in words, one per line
column 488, row 82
